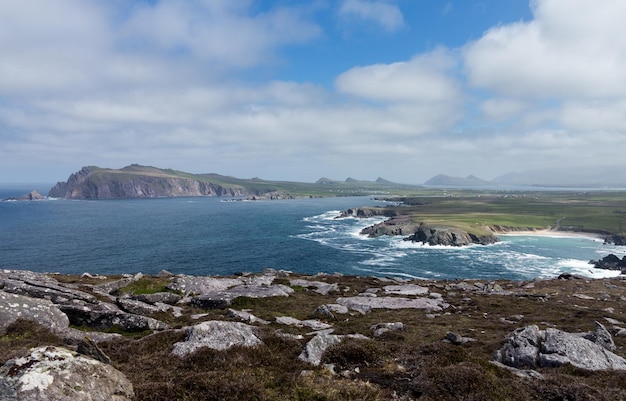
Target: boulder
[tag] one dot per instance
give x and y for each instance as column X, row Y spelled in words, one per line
column 42, row 311
column 202, row 285
column 39, row 285
column 310, row 323
column 315, row 348
column 222, row 299
column 162, row 297
column 53, row 373
column 104, row 316
column 531, row 347
column 405, row 289
column 112, row 286
column 381, row 328
column 610, row 262
column 218, row 335
column 320, row 286
column 246, row 317
column 365, row 304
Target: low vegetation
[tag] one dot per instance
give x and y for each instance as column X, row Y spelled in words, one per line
column 414, row 363
column 601, row 212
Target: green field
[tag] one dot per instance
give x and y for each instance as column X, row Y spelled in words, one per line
column 601, row 212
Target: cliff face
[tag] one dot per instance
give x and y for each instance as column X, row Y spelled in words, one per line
column 96, row 183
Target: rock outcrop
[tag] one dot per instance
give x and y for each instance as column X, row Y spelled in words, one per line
column 31, row 196
column 449, row 236
column 534, row 348
column 53, row 373
column 217, row 335
column 610, row 262
column 137, row 182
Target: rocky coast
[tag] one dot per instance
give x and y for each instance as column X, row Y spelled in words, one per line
column 280, row 335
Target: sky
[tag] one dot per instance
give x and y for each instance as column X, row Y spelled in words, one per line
column 302, row 89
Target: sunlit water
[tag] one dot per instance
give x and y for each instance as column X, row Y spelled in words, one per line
column 205, row 236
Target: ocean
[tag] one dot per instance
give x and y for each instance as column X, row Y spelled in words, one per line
column 220, row 236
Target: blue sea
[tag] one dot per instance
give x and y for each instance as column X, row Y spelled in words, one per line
column 222, row 236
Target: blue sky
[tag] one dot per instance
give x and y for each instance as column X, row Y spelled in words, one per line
column 297, row 90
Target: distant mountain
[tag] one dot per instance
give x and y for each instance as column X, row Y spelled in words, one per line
column 565, row 178
column 446, row 180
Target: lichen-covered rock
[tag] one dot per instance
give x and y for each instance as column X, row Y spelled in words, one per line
column 320, row 286
column 52, row 373
column 365, row 304
column 169, row 298
column 42, row 311
column 217, row 335
column 531, row 347
column 222, row 299
column 104, row 316
column 39, row 285
column 314, row 349
column 202, row 285
column 405, row 289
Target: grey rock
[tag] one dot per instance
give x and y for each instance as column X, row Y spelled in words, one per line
column 405, row 289
column 621, row 333
column 162, row 297
column 105, row 316
column 602, row 337
column 136, row 307
column 246, row 317
column 217, row 335
column 42, row 311
column 380, row 328
column 458, row 339
column 222, row 299
column 320, row 286
column 523, row 373
column 202, row 285
column 310, row 323
column 531, row 347
column 365, row 304
column 52, row 373
column 89, row 347
column 39, row 285
column 324, row 311
column 314, row 349
column 112, row 286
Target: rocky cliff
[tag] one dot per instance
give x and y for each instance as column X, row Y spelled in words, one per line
column 417, row 231
column 138, row 182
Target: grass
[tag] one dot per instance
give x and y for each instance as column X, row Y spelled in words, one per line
column 413, row 363
column 596, row 212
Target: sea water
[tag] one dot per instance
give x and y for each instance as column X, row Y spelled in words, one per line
column 221, row 236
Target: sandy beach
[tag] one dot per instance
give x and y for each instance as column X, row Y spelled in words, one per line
column 552, row 233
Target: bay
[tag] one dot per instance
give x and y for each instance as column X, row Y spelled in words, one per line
column 216, row 236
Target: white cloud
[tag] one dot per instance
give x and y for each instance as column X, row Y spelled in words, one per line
column 218, row 31
column 570, row 48
column 423, row 79
column 381, row 13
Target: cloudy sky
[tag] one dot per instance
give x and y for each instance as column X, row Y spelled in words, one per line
column 297, row 90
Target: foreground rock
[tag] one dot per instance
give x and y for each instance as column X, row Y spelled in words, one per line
column 52, row 373
column 534, row 348
column 216, row 335
column 105, row 316
column 364, row 304
column 42, row 311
